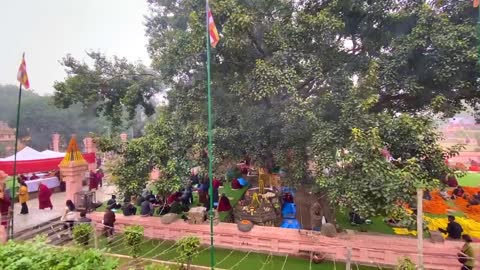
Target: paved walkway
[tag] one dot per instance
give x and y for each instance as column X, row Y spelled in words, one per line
column 37, row 216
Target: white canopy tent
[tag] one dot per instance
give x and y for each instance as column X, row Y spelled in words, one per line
column 29, row 153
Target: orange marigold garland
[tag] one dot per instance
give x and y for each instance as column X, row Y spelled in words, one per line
column 436, row 205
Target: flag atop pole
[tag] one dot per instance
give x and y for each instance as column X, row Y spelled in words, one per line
column 212, row 39
column 22, row 76
column 212, row 29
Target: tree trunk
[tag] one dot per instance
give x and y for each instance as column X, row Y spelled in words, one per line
column 328, row 210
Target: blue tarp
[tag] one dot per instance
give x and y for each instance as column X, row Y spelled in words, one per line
column 290, row 224
column 242, row 182
column 289, row 210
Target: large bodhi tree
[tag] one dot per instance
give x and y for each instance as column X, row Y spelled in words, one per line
column 292, row 80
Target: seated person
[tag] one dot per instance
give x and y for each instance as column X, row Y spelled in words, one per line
column 194, row 179
column 287, row 197
column 224, row 204
column 355, row 218
column 458, row 192
column 24, row 178
column 454, row 230
column 113, row 203
column 34, row 177
column 83, row 218
column 150, row 197
column 216, row 183
column 452, row 181
column 203, row 191
column 146, row 208
column 174, row 197
column 426, row 195
column 236, row 184
column 444, row 194
column 475, row 200
column 187, row 198
column 129, row 209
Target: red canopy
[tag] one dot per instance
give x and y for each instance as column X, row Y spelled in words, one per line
column 38, row 165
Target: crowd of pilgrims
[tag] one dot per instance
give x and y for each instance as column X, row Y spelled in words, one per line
column 149, row 204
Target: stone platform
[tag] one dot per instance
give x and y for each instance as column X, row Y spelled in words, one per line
column 377, row 250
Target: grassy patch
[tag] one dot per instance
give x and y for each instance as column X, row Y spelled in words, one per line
column 470, row 179
column 227, row 259
column 377, row 225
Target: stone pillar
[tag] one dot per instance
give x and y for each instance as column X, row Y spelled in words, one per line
column 73, row 175
column 155, row 174
column 90, row 147
column 124, row 137
column 56, row 142
column 73, row 168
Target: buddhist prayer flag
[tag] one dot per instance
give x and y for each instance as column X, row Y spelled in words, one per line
column 475, row 3
column 22, row 76
column 212, row 29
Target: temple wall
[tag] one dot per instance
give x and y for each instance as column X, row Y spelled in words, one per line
column 383, row 250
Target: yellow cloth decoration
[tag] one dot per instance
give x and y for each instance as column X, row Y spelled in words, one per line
column 404, row 231
column 470, row 226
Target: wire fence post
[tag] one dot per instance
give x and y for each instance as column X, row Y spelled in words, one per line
column 95, row 237
column 348, row 261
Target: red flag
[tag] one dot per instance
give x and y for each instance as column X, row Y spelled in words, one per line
column 22, row 76
column 212, row 29
column 476, row 3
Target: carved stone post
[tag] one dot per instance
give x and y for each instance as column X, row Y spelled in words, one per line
column 73, row 168
column 56, row 142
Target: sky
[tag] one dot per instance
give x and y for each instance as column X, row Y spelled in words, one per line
column 47, row 30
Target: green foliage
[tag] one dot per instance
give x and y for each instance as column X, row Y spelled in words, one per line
column 82, row 233
column 405, row 264
column 133, row 239
column 40, row 119
column 38, row 255
column 110, row 88
column 296, row 81
column 187, row 248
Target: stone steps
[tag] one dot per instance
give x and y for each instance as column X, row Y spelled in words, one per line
column 54, row 231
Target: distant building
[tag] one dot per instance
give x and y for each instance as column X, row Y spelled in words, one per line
column 7, row 139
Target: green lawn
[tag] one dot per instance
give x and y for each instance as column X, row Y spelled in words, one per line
column 471, row 179
column 233, row 195
column 377, row 225
column 227, row 259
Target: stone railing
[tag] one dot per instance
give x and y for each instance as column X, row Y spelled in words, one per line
column 377, row 250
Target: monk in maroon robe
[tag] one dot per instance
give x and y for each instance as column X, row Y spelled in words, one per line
column 224, row 204
column 34, row 177
column 216, row 183
column 93, row 184
column 100, row 176
column 5, row 203
column 174, row 197
column 44, row 194
column 236, row 184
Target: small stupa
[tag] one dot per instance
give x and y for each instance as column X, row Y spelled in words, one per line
column 73, row 168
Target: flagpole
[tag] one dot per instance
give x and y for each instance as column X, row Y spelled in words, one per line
column 210, row 154
column 15, row 160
